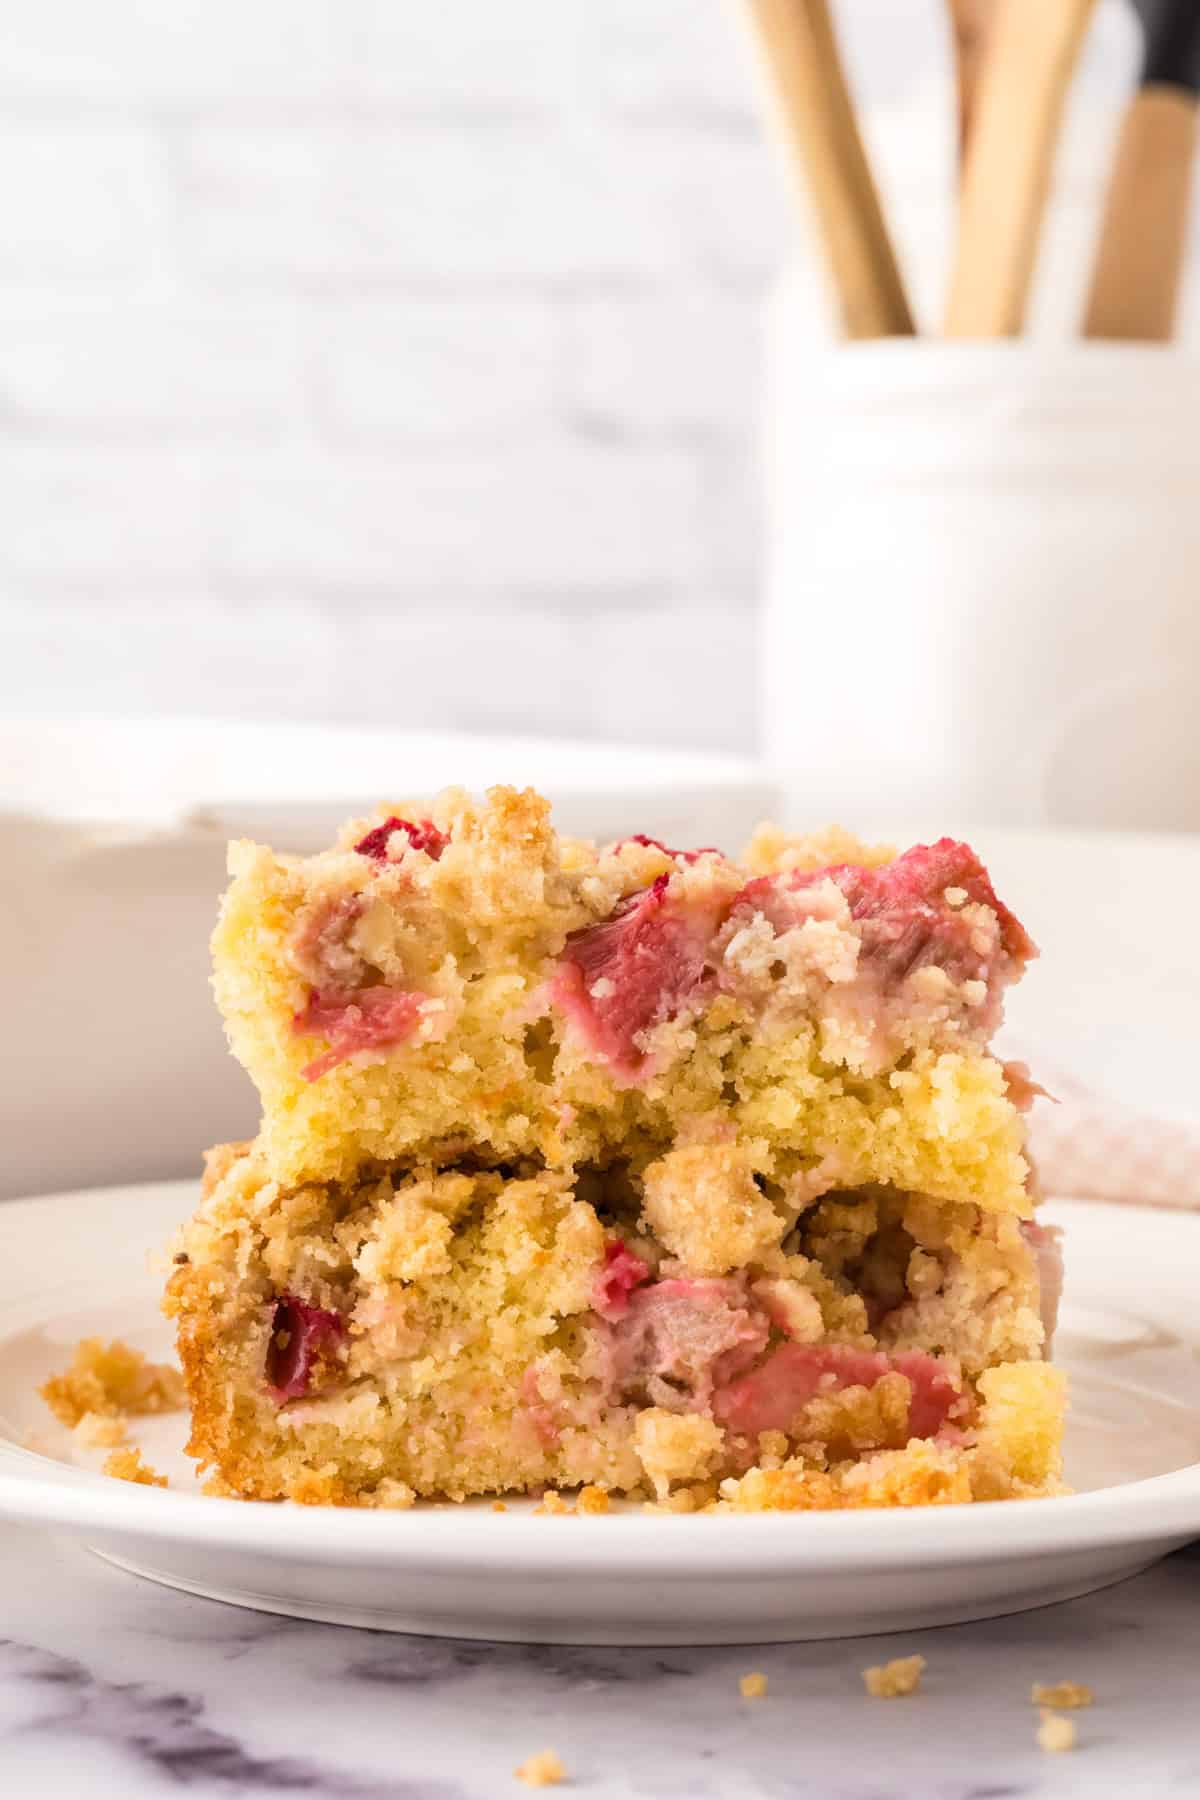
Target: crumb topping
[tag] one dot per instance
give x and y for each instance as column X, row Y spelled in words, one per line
column 753, row 1686
column 703, row 1204
column 675, row 1447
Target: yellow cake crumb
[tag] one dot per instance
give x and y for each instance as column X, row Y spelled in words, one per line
column 1064, row 1694
column 753, row 1686
column 703, row 1204
column 112, row 1378
column 499, row 1506
column 545, row 1769
column 128, row 1465
column 1022, row 1419
column 393, row 1496
column 592, row 1500
column 552, row 1502
column 675, row 1447
column 1055, row 1733
column 100, row 1431
column 892, row 1680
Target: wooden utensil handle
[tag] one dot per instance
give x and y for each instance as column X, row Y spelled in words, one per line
column 970, row 21
column 1143, row 237
column 1028, row 66
column 799, row 52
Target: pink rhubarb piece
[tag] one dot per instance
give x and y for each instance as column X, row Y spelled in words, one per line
column 371, row 1019
column 642, row 966
column 769, row 1397
column 619, row 1275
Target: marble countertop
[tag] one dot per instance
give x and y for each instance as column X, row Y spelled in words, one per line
column 110, row 1686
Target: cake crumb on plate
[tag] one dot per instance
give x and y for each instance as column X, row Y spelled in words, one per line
column 892, row 1680
column 112, row 1378
column 128, row 1465
column 545, row 1769
column 1062, row 1694
column 100, row 1431
column 754, row 1685
column 1055, row 1733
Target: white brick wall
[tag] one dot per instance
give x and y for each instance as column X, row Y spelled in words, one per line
column 366, row 359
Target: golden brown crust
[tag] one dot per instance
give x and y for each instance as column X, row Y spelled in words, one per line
column 129, row 1465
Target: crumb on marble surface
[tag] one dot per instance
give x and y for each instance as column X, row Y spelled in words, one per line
column 1055, row 1733
column 892, row 1680
column 1064, row 1694
column 552, row 1502
column 753, row 1686
column 112, row 1378
column 129, row 1465
column 100, row 1431
column 592, row 1500
column 545, row 1769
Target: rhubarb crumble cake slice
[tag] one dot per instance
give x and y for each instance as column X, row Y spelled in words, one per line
column 468, row 982
column 640, row 1169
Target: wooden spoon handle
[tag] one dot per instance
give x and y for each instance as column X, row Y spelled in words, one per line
column 1029, row 63
column 812, row 103
column 970, row 22
column 1143, row 238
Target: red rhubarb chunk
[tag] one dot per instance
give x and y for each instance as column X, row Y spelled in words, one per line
column 770, row 1397
column 640, row 967
column 619, row 1274
column 650, row 843
column 305, row 1340
column 903, row 916
column 371, row 1019
column 905, row 902
column 681, row 1338
column 423, row 835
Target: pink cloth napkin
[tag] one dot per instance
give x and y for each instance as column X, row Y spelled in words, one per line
column 1094, row 1148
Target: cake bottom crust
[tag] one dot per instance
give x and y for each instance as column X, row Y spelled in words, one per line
column 470, row 1332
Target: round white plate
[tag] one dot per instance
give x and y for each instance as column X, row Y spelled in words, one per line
column 76, row 1265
